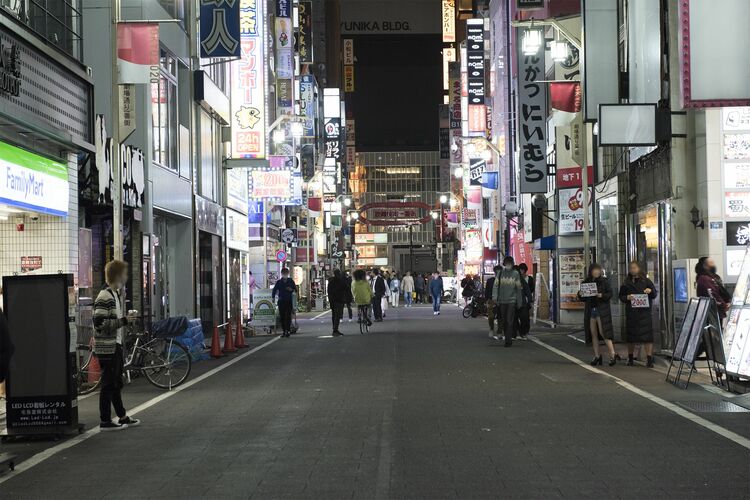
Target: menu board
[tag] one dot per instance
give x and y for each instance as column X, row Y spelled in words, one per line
column 737, row 331
column 687, row 324
column 571, row 276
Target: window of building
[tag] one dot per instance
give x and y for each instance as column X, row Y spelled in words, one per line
column 216, row 69
column 164, row 114
column 175, row 8
column 57, row 22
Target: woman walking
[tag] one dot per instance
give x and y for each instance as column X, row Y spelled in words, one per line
column 597, row 315
column 640, row 328
column 395, row 290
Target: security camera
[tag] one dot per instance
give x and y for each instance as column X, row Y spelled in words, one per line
column 34, row 217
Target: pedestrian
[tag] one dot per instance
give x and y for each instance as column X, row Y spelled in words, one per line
column 385, row 299
column 597, row 315
column 419, row 288
column 436, row 292
column 379, row 290
column 507, row 292
column 362, row 294
column 640, row 328
column 284, row 288
column 109, row 330
column 467, row 289
column 338, row 296
column 350, row 299
column 709, row 284
column 491, row 305
column 395, row 290
column 407, row 285
column 524, row 313
column 252, row 285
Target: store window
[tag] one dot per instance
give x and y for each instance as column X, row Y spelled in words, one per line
column 175, row 9
column 164, row 123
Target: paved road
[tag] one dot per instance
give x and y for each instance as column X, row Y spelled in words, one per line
column 424, row 407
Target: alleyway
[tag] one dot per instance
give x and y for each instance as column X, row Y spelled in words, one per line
column 423, row 407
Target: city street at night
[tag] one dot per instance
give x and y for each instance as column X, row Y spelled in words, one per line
column 422, row 407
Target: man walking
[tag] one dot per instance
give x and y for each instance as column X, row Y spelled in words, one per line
column 338, row 296
column 109, row 322
column 419, row 288
column 284, row 288
column 507, row 293
column 436, row 291
column 407, row 284
column 378, row 292
column 491, row 306
column 524, row 313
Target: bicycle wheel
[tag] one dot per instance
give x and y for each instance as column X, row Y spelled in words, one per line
column 166, row 363
column 89, row 373
column 467, row 312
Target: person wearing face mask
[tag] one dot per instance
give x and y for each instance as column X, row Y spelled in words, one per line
column 507, row 293
column 709, row 284
column 109, row 329
column 640, row 328
column 597, row 315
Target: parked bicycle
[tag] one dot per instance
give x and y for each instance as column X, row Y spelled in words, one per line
column 164, row 361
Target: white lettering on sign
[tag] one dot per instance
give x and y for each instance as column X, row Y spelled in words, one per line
column 43, row 189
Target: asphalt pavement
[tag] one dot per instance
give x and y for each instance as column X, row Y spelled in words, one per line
column 423, row 407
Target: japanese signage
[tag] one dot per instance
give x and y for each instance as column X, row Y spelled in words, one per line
column 475, row 60
column 473, row 246
column 307, row 104
column 31, row 263
column 589, row 290
column 365, row 238
column 454, row 112
column 10, row 69
column 572, row 177
column 348, row 51
column 570, row 218
column 283, row 8
column 532, row 121
column 127, row 110
column 220, row 28
column 304, row 35
column 738, row 233
column 477, row 166
column 33, row 182
column 449, row 21
column 351, row 133
column 737, row 203
column 469, row 218
column 237, row 231
column 736, row 175
column 42, row 411
column 248, row 85
column 270, row 183
column 332, row 128
column 477, row 119
column 348, row 78
column 529, row 4
column 283, row 43
column 264, row 309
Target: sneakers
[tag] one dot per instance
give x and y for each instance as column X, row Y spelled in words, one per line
column 337, row 334
column 129, row 422
column 492, row 334
column 111, row 426
column 524, row 337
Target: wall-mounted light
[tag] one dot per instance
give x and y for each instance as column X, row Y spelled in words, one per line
column 695, row 218
column 347, row 202
column 279, row 136
column 558, row 50
column 532, row 41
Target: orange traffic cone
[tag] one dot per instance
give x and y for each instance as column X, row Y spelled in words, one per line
column 216, row 344
column 228, row 340
column 95, row 371
column 239, row 338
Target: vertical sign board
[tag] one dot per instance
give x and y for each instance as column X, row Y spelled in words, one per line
column 248, row 85
column 449, row 21
column 348, row 51
column 475, row 77
column 532, row 120
column 304, row 35
column 307, row 104
column 454, row 113
column 220, row 29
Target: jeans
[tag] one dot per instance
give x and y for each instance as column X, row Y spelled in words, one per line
column 394, row 298
column 285, row 314
column 407, row 298
column 377, row 309
column 111, row 386
column 507, row 321
column 337, row 314
column 436, row 303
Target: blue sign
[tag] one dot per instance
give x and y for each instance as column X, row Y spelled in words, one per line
column 220, row 28
column 283, row 8
column 307, row 103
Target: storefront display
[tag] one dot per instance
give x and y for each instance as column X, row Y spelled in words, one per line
column 737, row 330
column 572, row 273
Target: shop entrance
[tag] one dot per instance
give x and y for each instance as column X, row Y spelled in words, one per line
column 234, row 285
column 209, row 274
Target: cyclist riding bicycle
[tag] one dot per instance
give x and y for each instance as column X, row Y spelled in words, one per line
column 362, row 293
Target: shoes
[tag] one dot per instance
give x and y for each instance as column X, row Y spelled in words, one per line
column 438, row 313
column 613, row 360
column 379, row 320
column 630, row 360
column 337, row 334
column 434, row 313
column 129, row 422
column 350, row 320
column 649, row 361
column 492, row 334
column 596, row 361
column 524, row 337
column 111, row 426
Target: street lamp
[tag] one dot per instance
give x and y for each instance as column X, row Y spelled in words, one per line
column 443, row 199
column 434, row 215
column 347, row 202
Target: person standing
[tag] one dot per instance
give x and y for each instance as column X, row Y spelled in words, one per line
column 597, row 315
column 387, row 295
column 419, row 288
column 507, row 292
column 284, row 288
column 491, row 305
column 362, row 293
column 436, row 292
column 407, row 284
column 350, row 298
column 338, row 296
column 378, row 292
column 252, row 285
column 395, row 290
column 524, row 313
column 709, row 284
column 109, row 331
column 640, row 328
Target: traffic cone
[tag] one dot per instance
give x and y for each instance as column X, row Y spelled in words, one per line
column 239, row 338
column 228, row 340
column 216, row 344
column 95, row 371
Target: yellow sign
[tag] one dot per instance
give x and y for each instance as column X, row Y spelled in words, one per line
column 348, row 78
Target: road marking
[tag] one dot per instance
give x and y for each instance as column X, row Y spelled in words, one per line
column 50, row 452
column 732, row 436
column 321, row 314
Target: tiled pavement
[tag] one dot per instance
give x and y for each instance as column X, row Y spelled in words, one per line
column 424, row 407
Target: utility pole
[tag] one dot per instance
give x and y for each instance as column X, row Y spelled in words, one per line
column 115, row 127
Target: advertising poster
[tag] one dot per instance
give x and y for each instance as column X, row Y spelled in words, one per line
column 736, row 175
column 264, row 310
column 571, row 275
column 477, row 167
column 307, row 104
column 270, row 184
column 589, row 290
column 248, row 85
column 737, row 204
column 571, row 210
column 237, row 189
column 449, row 21
column 738, row 233
column 473, row 246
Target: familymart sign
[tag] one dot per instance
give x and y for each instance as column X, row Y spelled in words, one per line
column 33, row 182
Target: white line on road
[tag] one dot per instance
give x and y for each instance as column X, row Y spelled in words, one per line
column 321, row 314
column 50, row 452
column 732, row 436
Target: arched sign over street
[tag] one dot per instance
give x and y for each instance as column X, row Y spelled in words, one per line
column 395, row 213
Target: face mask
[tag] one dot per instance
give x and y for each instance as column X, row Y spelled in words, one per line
column 508, row 267
column 712, row 269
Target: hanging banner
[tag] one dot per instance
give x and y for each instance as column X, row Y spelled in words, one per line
column 307, row 104
column 220, row 28
column 304, row 35
column 477, row 166
column 454, row 113
column 137, row 51
column 475, row 60
column 284, row 54
column 248, row 85
column 449, row 21
column 532, row 120
column 348, row 78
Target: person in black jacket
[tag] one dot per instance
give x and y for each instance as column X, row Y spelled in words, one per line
column 640, row 328
column 524, row 313
column 378, row 292
column 285, row 288
column 491, row 306
column 597, row 315
column 338, row 297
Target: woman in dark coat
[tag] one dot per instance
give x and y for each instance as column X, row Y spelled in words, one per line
column 597, row 315
column 709, row 284
column 640, row 329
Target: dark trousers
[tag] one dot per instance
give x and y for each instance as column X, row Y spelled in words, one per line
column 377, row 306
column 110, row 394
column 349, row 307
column 285, row 314
column 507, row 321
column 337, row 314
column 523, row 323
